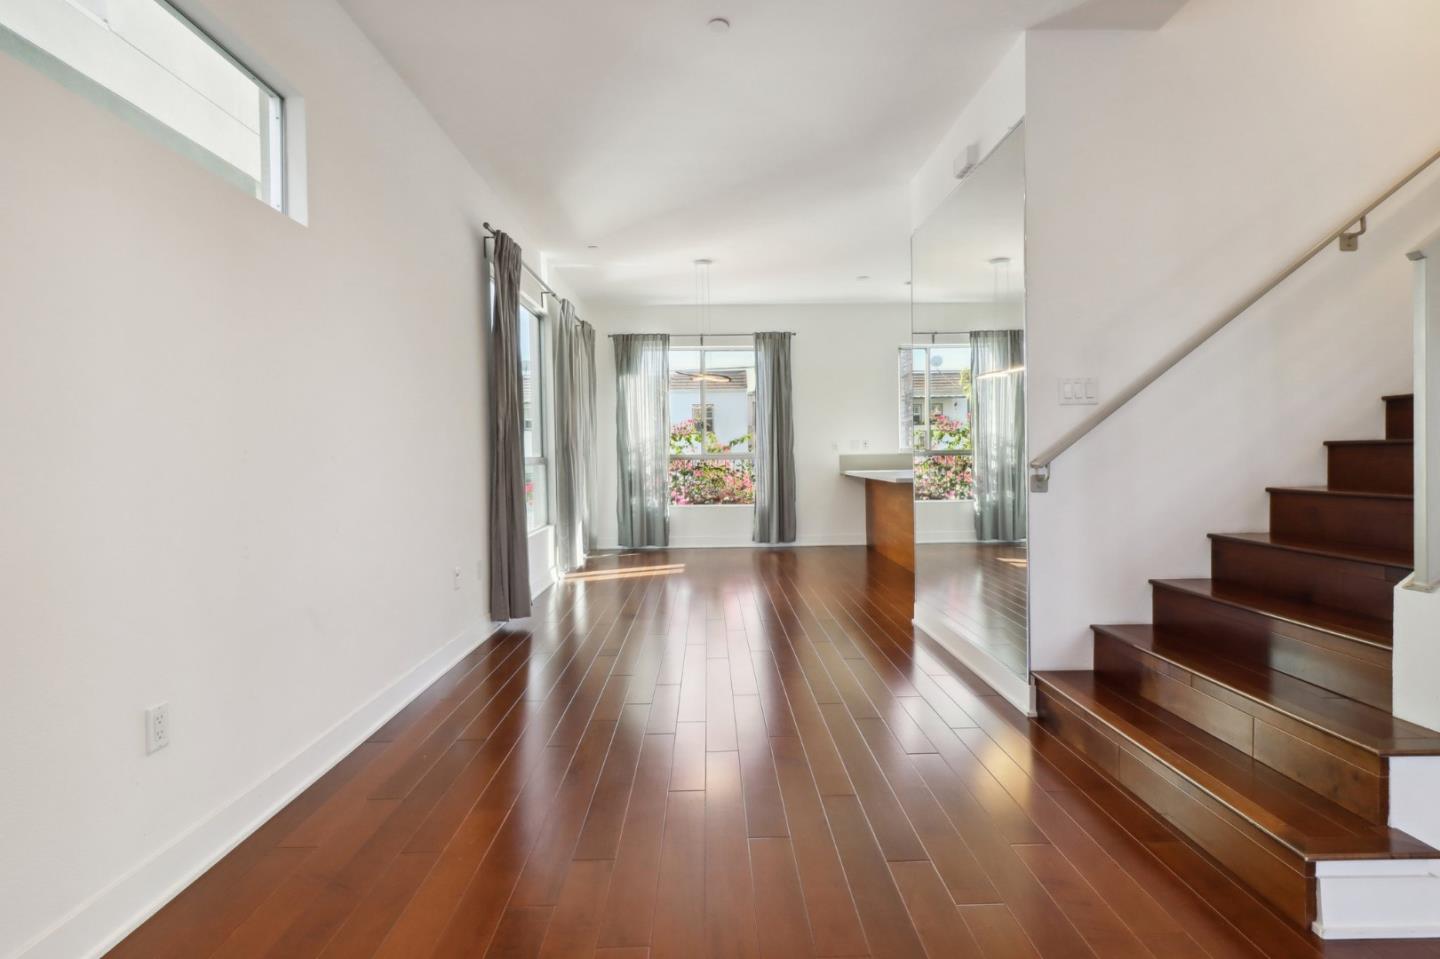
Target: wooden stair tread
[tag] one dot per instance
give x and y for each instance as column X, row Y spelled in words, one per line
column 1337, row 622
column 1340, row 493
column 1302, row 821
column 1373, row 442
column 1394, row 558
column 1396, row 397
column 1371, row 729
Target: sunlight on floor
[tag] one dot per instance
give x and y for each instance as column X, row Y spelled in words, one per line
column 599, row 575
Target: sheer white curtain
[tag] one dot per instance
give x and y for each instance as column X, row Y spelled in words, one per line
column 997, row 378
column 642, row 430
column 574, row 437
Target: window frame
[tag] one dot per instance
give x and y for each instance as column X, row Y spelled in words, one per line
column 274, row 177
column 929, row 449
column 928, row 456
column 274, row 188
column 703, row 349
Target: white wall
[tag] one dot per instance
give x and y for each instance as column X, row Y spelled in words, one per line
column 993, row 112
column 242, row 458
column 844, row 365
column 945, row 521
column 968, row 317
column 1168, row 173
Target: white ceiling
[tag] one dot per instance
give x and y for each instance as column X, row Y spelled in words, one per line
column 782, row 149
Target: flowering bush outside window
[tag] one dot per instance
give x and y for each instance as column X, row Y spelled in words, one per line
column 947, row 433
column 945, row 476
column 702, row 482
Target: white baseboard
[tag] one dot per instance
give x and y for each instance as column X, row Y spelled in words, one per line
column 729, row 542
column 1018, row 691
column 1382, row 899
column 551, row 577
column 97, row 924
column 931, row 536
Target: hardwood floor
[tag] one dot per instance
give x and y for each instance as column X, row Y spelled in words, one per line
column 719, row 753
column 981, row 590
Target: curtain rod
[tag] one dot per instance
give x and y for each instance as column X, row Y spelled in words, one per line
column 701, row 336
column 544, row 287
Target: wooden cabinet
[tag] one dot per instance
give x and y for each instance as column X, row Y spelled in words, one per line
column 890, row 521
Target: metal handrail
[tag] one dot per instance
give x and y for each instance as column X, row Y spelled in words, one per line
column 1349, row 241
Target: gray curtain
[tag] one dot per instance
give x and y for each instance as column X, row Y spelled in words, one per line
column 642, row 436
column 509, row 543
column 997, row 377
column 574, row 436
column 774, row 441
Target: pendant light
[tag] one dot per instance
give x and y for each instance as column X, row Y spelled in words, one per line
column 999, row 288
column 702, row 305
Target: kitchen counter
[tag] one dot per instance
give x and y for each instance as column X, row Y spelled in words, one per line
column 883, row 476
column 889, row 513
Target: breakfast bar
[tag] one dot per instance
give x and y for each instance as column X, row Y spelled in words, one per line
column 889, row 513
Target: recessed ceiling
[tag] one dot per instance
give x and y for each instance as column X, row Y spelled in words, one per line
column 638, row 139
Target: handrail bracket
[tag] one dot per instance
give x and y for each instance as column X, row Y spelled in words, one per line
column 1039, row 479
column 1350, row 240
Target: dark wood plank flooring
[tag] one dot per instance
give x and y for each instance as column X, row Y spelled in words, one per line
column 981, row 589
column 719, row 753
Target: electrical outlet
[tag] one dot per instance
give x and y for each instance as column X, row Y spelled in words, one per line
column 457, row 577
column 157, row 727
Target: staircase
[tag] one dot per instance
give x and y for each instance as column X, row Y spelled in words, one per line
column 1254, row 715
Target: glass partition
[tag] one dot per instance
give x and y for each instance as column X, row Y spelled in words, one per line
column 962, row 416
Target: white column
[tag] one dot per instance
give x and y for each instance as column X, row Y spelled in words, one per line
column 1417, row 600
column 1427, row 415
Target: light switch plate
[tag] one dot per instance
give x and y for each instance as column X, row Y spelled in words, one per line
column 1079, row 391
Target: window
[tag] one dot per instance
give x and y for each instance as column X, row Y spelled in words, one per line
column 532, row 375
column 704, row 416
column 152, row 66
column 712, row 425
column 935, row 419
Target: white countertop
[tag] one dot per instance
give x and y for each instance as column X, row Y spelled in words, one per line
column 884, row 476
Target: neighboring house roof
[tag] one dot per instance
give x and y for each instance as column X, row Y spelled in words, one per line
column 946, row 383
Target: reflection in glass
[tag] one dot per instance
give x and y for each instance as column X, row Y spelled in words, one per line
column 967, row 287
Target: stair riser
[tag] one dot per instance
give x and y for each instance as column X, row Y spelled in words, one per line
column 1381, row 523
column 1400, row 418
column 1269, row 869
column 1372, row 469
column 1366, row 589
column 1355, row 670
column 1311, row 757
